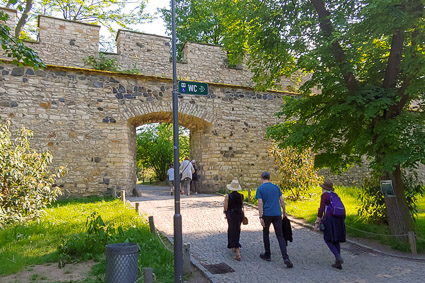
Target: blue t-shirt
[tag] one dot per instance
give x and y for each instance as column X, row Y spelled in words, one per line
column 270, row 194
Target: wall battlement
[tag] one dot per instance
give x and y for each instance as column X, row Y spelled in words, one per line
column 66, row 43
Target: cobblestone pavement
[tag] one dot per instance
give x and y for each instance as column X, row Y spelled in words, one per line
column 205, row 228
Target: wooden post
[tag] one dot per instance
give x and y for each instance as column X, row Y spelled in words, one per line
column 187, row 267
column 123, row 196
column 152, row 225
column 249, row 195
column 412, row 242
column 138, row 207
column 147, row 275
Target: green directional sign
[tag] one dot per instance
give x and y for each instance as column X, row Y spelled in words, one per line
column 187, row 87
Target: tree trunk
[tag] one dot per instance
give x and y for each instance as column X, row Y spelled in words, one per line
column 397, row 209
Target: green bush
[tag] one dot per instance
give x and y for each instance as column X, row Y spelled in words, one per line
column 102, row 63
column 372, row 200
column 296, row 170
column 26, row 182
column 90, row 245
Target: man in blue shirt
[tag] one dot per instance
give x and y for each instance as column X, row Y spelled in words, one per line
column 270, row 201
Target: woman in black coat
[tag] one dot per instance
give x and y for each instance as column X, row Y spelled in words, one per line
column 233, row 208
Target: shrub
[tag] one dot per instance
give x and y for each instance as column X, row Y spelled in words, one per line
column 102, row 63
column 296, row 170
column 90, row 245
column 372, row 200
column 27, row 185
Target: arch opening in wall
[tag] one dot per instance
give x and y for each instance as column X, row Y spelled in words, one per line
column 193, row 128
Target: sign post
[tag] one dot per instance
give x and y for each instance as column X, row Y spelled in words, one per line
column 188, row 87
column 178, row 238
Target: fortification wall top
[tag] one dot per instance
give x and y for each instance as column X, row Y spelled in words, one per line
column 68, row 43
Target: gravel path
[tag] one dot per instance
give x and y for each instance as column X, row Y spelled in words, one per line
column 205, row 228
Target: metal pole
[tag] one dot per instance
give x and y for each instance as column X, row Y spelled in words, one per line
column 178, row 238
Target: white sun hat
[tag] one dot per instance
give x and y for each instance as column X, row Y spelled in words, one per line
column 234, row 186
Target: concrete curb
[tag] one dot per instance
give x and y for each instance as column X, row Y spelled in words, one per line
column 352, row 242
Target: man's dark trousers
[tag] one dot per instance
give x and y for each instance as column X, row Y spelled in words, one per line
column 277, row 225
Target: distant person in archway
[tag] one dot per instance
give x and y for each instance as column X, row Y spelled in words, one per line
column 233, row 209
column 170, row 174
column 186, row 171
column 331, row 220
column 194, row 183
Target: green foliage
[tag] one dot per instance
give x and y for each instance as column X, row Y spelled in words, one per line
column 365, row 62
column 372, row 207
column 372, row 200
column 296, row 170
column 26, row 182
column 155, row 147
column 15, row 48
column 67, row 223
column 89, row 245
column 102, row 63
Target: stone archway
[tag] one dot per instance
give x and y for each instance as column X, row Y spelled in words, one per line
column 197, row 126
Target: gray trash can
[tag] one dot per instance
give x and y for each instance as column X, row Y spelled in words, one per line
column 121, row 263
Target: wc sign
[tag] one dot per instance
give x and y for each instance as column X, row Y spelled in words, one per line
column 187, row 87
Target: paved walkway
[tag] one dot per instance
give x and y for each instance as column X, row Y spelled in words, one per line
column 205, row 228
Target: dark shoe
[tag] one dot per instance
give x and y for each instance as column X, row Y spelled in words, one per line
column 337, row 264
column 288, row 263
column 265, row 257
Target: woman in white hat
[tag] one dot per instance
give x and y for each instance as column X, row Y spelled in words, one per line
column 233, row 208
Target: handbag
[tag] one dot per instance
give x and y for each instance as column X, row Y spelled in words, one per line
column 322, row 226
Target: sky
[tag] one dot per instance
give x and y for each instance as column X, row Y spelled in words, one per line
column 157, row 26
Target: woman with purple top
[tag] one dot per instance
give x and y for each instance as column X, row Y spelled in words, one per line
column 333, row 226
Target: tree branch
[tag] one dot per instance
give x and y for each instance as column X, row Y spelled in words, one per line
column 338, row 52
column 393, row 67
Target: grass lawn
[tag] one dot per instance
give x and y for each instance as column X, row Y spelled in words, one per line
column 37, row 243
column 307, row 209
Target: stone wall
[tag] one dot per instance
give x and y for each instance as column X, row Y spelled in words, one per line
column 88, row 120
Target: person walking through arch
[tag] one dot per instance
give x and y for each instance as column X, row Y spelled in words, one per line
column 331, row 216
column 233, row 209
column 270, row 201
column 186, row 170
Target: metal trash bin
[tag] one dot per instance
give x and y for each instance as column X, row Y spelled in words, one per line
column 121, row 263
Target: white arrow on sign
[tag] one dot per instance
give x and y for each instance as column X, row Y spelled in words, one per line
column 201, row 89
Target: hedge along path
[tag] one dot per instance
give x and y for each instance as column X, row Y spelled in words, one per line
column 205, row 228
